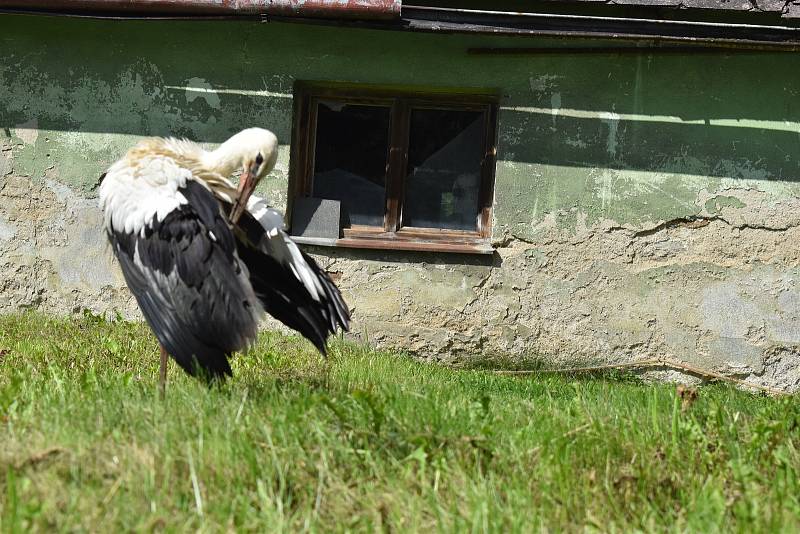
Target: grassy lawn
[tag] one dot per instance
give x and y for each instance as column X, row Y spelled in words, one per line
column 369, row 441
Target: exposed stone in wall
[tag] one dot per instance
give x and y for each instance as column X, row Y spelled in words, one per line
column 713, row 291
column 53, row 255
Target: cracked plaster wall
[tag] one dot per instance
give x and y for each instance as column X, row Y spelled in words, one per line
column 645, row 205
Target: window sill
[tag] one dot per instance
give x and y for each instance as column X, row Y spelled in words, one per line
column 473, row 247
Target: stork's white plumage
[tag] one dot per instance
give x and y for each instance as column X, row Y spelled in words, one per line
column 205, row 258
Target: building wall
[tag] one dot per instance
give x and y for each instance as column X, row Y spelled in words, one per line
column 646, row 204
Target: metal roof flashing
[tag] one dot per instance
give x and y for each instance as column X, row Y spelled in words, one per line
column 339, row 9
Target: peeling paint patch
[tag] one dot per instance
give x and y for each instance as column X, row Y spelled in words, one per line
column 200, row 88
column 28, row 131
column 6, row 231
column 606, row 182
column 541, row 83
column 781, row 368
column 746, row 170
column 6, row 162
column 612, row 120
column 726, row 312
column 555, row 104
column 716, row 204
column 738, row 353
column 576, row 142
column 84, row 259
column 61, row 191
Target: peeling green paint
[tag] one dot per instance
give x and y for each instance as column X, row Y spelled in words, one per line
column 716, row 204
column 625, row 138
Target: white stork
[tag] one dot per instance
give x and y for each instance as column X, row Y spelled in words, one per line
column 205, row 259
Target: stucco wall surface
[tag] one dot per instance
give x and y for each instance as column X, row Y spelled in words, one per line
column 646, row 204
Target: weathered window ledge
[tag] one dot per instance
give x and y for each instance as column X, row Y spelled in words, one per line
column 472, row 247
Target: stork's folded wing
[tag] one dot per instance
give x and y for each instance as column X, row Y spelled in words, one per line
column 291, row 286
column 190, row 283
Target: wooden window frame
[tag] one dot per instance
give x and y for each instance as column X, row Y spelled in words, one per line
column 400, row 101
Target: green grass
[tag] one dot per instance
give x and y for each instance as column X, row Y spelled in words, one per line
column 369, row 441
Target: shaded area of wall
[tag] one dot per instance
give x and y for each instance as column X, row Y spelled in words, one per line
column 646, row 205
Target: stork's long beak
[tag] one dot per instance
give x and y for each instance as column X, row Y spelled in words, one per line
column 247, row 184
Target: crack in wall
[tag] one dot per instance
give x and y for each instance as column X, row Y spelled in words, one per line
column 696, row 222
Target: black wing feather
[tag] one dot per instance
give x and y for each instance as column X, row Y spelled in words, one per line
column 190, row 285
column 281, row 293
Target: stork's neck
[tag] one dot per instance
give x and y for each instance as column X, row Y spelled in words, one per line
column 225, row 159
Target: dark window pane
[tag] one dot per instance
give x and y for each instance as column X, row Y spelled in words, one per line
column 444, row 169
column 350, row 160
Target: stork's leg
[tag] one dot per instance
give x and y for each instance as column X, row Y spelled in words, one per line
column 162, row 372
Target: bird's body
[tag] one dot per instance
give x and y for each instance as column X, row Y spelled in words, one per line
column 205, row 260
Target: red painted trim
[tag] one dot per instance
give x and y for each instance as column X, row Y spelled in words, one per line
column 335, row 9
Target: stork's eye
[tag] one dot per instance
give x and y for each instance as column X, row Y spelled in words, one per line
column 259, row 159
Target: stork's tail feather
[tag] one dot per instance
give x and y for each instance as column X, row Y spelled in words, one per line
column 212, row 371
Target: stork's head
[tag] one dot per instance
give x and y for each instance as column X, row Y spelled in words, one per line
column 254, row 151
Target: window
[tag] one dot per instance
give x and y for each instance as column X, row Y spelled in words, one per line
column 406, row 170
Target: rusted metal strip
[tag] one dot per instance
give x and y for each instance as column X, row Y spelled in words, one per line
column 775, row 43
column 647, row 47
column 333, row 9
column 642, row 34
column 654, row 31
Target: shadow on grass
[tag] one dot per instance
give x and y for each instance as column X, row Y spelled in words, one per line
column 537, row 367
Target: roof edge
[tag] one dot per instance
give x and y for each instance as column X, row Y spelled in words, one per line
column 336, row 9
